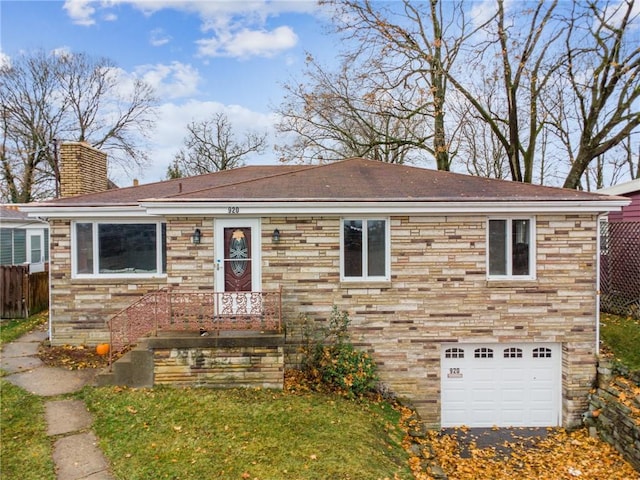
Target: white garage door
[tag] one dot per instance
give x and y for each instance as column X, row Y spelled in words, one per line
column 501, row 384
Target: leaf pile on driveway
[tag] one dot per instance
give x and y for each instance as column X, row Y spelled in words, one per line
column 561, row 455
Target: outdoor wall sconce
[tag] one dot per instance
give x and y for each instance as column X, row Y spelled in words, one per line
column 275, row 236
column 196, row 237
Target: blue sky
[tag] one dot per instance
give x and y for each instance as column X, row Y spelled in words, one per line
column 202, row 56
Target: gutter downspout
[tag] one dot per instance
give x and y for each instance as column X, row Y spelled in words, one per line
column 598, row 257
column 45, row 219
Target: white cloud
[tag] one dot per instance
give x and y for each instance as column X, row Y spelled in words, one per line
column 247, row 43
column 482, row 11
column 235, row 28
column 158, row 37
column 62, row 51
column 80, row 11
column 5, row 60
column 171, row 129
column 176, row 80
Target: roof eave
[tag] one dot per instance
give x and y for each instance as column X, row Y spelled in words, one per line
column 76, row 211
column 322, row 207
column 252, row 207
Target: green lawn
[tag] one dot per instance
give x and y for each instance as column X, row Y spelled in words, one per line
column 12, row 329
column 235, row 434
column 199, row 433
column 621, row 337
column 26, row 449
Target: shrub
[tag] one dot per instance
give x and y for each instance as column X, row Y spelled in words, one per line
column 331, row 360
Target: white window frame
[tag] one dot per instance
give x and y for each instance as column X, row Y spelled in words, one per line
column 387, row 260
column 509, row 245
column 95, row 245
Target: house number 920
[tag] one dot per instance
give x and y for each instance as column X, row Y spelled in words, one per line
column 233, row 210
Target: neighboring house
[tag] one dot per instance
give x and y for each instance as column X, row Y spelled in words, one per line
column 476, row 297
column 23, row 240
column 631, row 190
column 620, row 263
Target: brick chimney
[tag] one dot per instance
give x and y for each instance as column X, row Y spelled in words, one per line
column 83, row 169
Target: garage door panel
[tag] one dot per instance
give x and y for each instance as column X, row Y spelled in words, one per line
column 513, row 374
column 540, row 376
column 501, row 384
column 513, row 395
column 483, row 395
column 511, row 417
column 541, row 396
column 543, row 418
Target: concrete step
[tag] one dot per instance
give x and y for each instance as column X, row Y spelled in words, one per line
column 133, row 369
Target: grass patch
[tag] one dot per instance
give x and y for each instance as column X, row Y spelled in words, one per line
column 26, row 449
column 235, row 434
column 621, row 338
column 11, row 330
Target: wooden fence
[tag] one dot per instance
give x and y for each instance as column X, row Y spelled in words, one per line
column 22, row 294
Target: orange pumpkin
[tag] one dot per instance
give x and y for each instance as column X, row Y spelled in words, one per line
column 102, row 349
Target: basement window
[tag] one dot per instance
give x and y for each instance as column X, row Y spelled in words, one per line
column 116, row 249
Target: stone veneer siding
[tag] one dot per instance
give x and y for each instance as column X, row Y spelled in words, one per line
column 220, row 362
column 438, row 293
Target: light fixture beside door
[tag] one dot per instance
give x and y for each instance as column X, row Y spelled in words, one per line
column 196, row 237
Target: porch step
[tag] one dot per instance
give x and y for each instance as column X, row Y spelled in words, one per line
column 133, row 369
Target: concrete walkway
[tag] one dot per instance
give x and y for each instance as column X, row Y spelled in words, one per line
column 75, row 449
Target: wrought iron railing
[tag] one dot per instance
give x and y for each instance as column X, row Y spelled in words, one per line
column 198, row 311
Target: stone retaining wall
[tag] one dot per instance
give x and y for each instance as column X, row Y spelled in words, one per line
column 219, row 362
column 614, row 412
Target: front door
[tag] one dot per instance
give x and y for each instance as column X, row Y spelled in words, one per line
column 237, row 255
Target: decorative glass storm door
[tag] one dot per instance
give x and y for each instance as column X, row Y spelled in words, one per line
column 237, row 259
column 237, row 255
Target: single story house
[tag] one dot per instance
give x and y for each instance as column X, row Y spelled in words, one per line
column 23, row 240
column 476, row 297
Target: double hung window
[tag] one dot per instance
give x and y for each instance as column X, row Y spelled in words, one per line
column 510, row 248
column 365, row 249
column 119, row 249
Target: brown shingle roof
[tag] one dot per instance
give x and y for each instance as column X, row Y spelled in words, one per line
column 353, row 179
column 168, row 188
column 12, row 212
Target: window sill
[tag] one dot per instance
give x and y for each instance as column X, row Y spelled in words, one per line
column 365, row 284
column 146, row 280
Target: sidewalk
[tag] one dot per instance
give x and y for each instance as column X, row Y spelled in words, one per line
column 75, row 450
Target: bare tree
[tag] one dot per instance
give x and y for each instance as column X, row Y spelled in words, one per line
column 29, row 91
column 211, row 146
column 513, row 52
column 47, row 97
column 390, row 91
column 346, row 114
column 602, row 65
